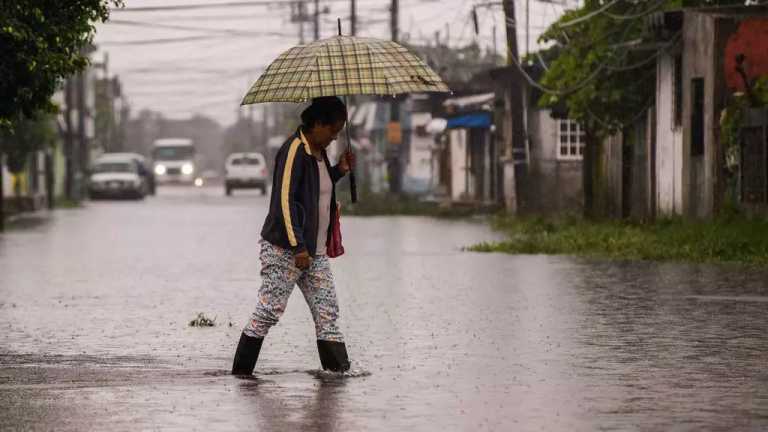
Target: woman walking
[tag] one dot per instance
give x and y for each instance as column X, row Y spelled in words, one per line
column 295, row 236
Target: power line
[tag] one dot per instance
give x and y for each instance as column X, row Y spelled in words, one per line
column 620, row 17
column 159, row 40
column 570, row 90
column 182, row 39
column 576, row 87
column 589, row 15
column 231, row 4
column 228, row 32
column 175, row 70
column 208, row 17
column 649, row 59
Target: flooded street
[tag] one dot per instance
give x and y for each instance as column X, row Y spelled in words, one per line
column 95, row 305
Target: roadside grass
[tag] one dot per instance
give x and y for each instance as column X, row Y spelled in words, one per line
column 64, row 203
column 388, row 205
column 726, row 239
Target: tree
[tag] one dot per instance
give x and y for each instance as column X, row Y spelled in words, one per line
column 18, row 141
column 604, row 72
column 26, row 136
column 605, row 80
column 41, row 43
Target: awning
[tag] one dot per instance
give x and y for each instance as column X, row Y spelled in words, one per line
column 476, row 120
column 470, row 101
column 363, row 115
column 436, row 125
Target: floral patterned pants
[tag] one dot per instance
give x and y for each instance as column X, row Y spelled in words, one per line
column 279, row 274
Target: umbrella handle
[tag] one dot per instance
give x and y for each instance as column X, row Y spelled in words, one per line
column 353, row 186
column 352, row 181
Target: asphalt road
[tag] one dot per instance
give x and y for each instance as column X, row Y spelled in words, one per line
column 95, row 305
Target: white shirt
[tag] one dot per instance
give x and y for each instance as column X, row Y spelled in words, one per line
column 323, row 207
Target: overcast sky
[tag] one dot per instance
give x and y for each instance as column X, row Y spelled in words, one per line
column 185, row 60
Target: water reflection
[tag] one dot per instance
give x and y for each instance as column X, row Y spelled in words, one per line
column 454, row 340
column 295, row 402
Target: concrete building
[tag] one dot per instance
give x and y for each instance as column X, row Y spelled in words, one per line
column 696, row 79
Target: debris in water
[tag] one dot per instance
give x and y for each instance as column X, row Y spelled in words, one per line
column 202, row 321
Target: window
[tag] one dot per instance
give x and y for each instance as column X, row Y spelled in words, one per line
column 173, row 153
column 114, row 167
column 697, row 116
column 570, row 140
column 678, row 89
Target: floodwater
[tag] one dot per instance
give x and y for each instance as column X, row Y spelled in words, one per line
column 95, row 305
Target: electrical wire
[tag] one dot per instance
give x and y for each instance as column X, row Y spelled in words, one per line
column 643, row 62
column 561, row 92
column 228, row 32
column 558, row 92
column 231, row 4
column 589, row 15
column 650, row 10
column 159, row 40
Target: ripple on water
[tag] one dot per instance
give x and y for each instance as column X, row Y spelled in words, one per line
column 317, row 373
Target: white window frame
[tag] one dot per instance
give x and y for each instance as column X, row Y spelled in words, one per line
column 574, row 140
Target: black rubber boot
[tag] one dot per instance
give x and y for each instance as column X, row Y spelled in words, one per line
column 247, row 353
column 333, row 355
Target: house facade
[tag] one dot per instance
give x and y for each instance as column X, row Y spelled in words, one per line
column 696, row 80
column 553, row 184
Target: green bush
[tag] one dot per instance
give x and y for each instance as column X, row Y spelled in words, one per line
column 731, row 238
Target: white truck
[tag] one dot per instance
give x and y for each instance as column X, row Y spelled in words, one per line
column 175, row 160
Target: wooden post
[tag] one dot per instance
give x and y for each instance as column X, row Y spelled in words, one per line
column 394, row 149
column 317, row 19
column 514, row 139
column 2, row 194
column 69, row 146
column 591, row 144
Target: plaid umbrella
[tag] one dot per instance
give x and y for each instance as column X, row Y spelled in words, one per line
column 343, row 65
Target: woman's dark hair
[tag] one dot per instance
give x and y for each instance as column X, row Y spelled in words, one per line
column 324, row 110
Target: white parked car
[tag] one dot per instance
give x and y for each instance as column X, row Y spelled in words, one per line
column 145, row 166
column 116, row 178
column 245, row 171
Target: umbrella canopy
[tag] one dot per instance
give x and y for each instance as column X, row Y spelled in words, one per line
column 343, row 65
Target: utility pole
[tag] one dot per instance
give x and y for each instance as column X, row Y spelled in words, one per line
column 317, row 19
column 83, row 147
column 495, row 45
column 299, row 15
column 353, row 17
column 514, row 126
column 302, row 15
column 394, row 17
column 2, row 191
column 105, row 105
column 69, row 145
column 108, row 144
column 394, row 132
column 251, row 135
column 527, row 26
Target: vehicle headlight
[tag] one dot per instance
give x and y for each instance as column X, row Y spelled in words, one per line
column 160, row 169
column 187, row 169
